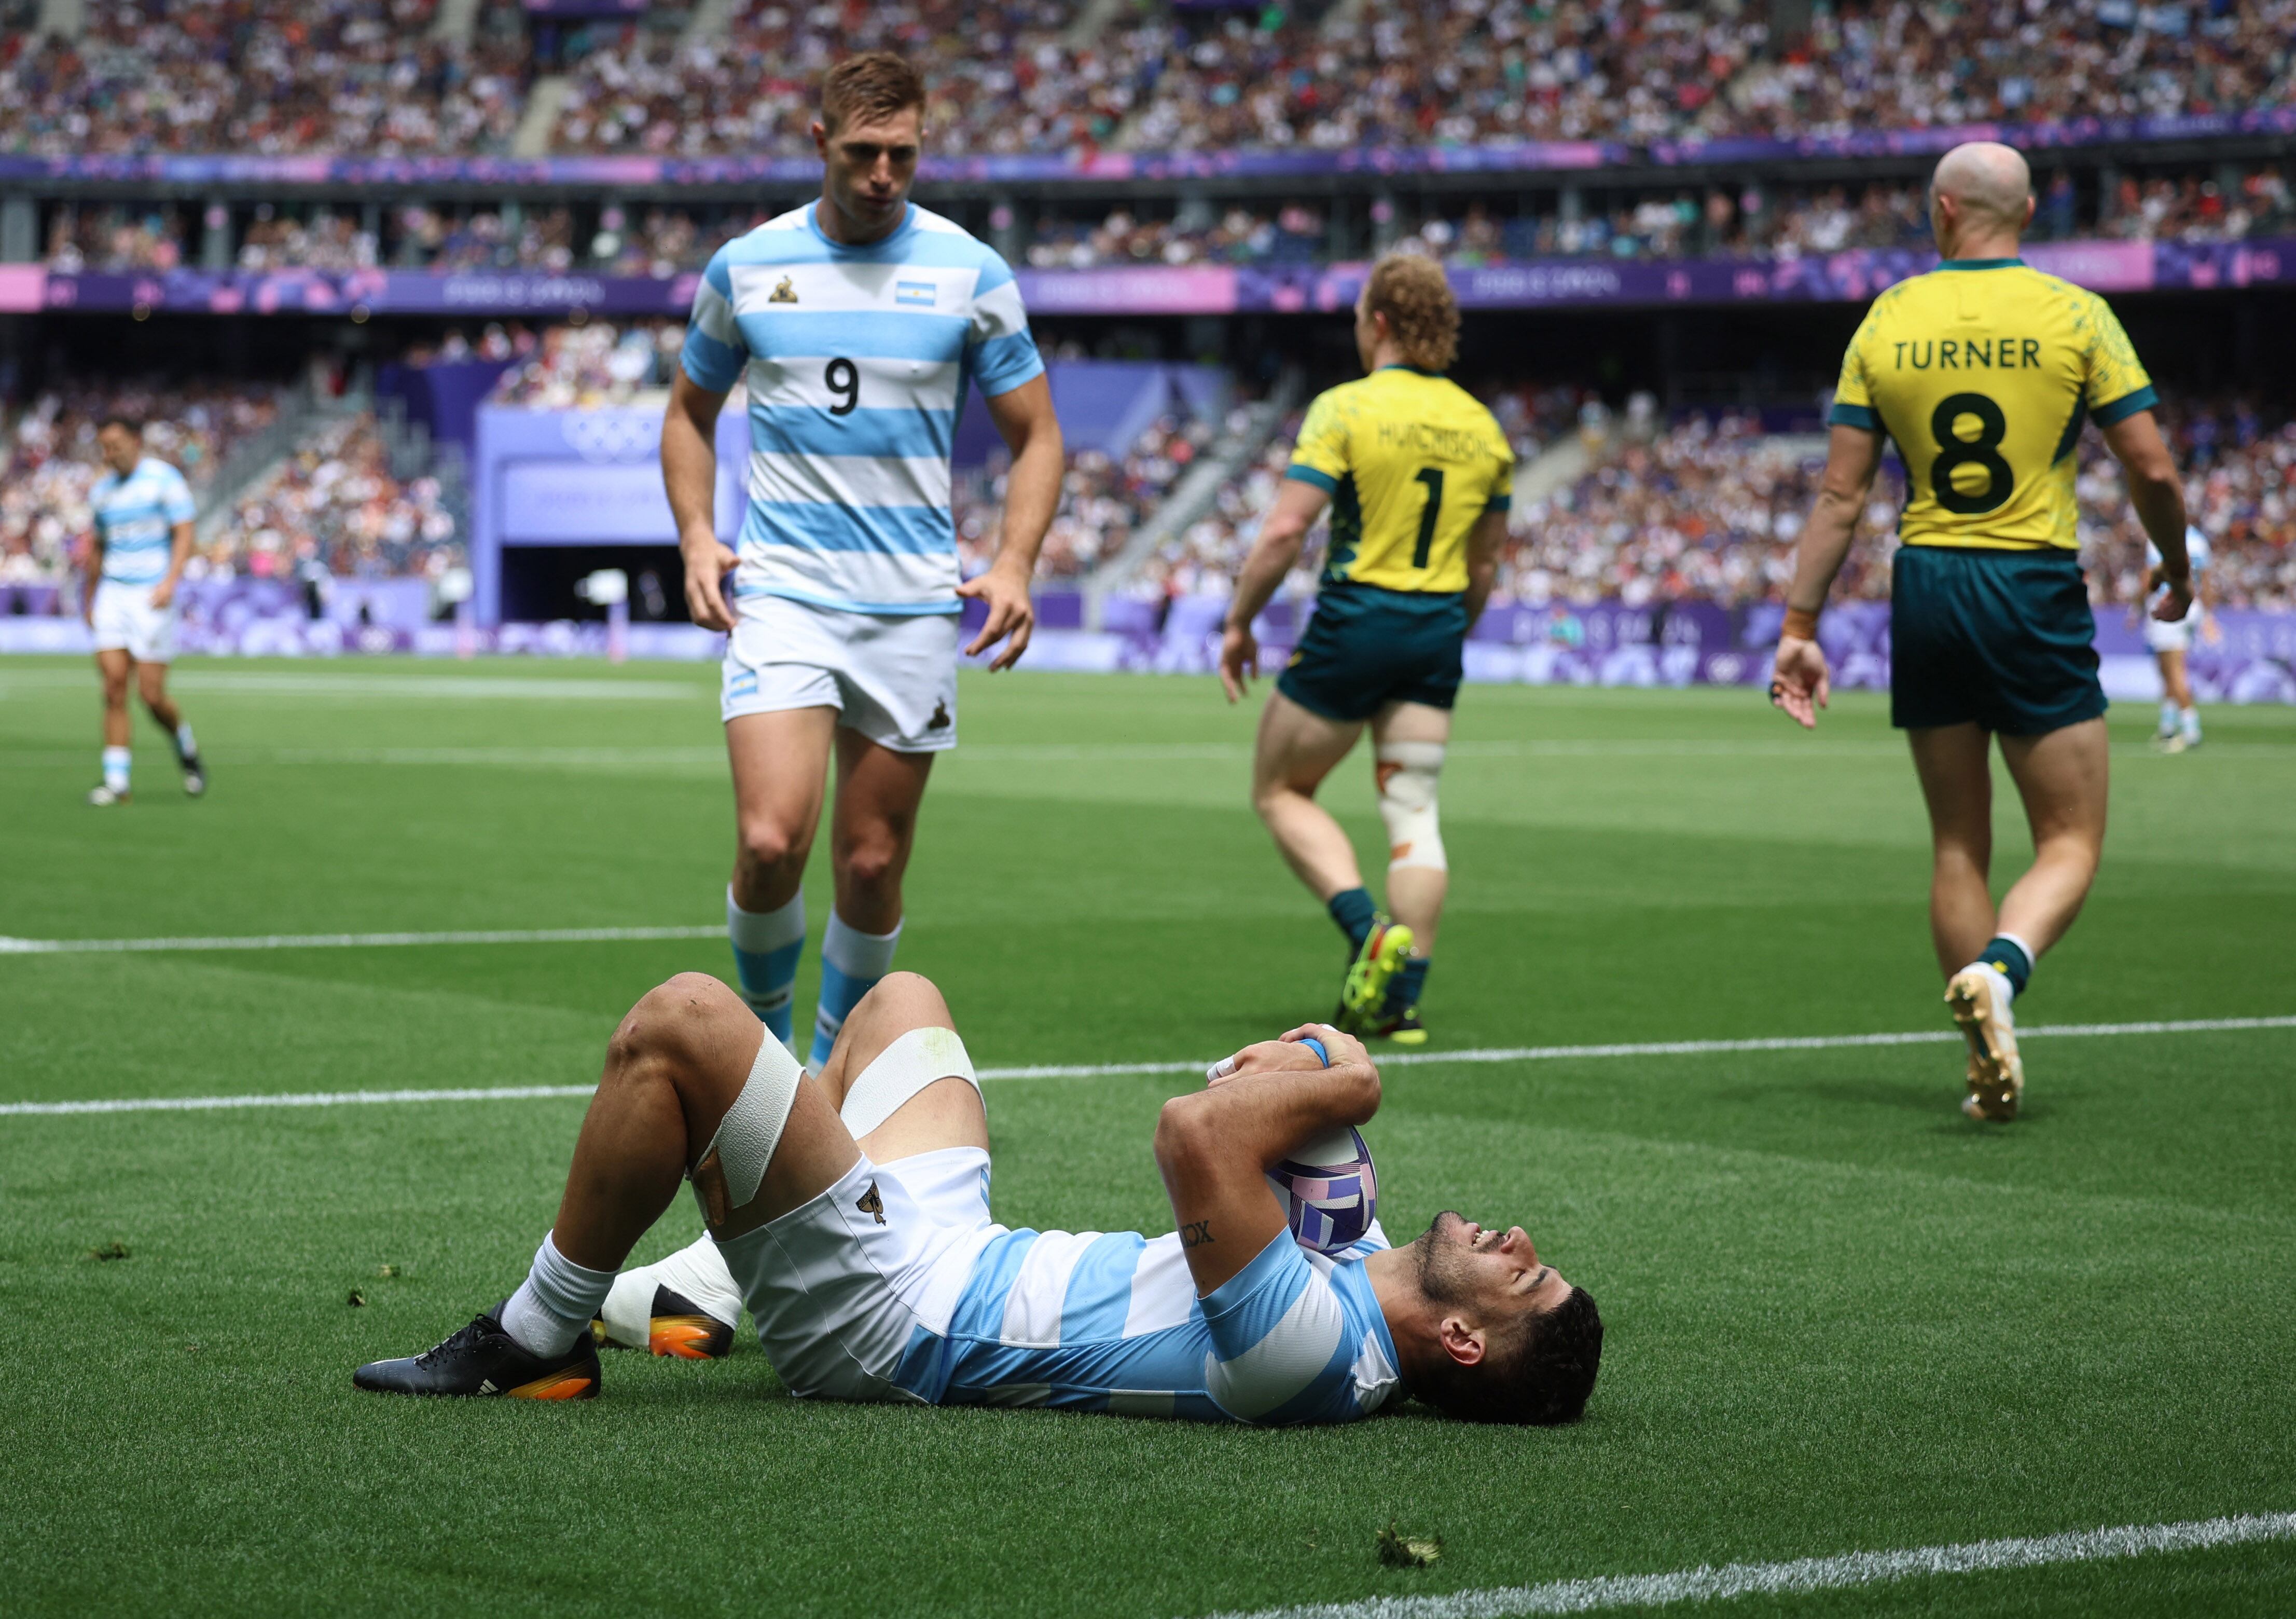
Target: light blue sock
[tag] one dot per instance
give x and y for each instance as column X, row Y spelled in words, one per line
column 115, row 769
column 767, row 945
column 851, row 964
column 2168, row 716
column 2191, row 718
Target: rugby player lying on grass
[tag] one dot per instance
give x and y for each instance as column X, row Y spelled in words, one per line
column 851, row 1207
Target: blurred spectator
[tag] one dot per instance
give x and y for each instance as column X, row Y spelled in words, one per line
column 110, row 237
column 599, row 363
column 264, row 76
column 335, row 504
column 1104, row 501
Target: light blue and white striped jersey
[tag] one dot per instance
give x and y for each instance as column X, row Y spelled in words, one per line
column 135, row 518
column 2196, row 549
column 856, row 360
column 1110, row 1322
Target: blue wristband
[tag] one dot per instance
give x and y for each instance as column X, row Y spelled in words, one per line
column 1317, row 1046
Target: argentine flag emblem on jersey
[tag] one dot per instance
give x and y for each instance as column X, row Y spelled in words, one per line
column 858, row 360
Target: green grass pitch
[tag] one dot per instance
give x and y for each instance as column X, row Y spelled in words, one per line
column 1840, row 1316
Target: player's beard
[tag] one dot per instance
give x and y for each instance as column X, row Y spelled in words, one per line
column 1443, row 1276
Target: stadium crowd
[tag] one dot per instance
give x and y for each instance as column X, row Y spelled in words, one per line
column 1012, row 76
column 334, row 505
column 598, row 363
column 1104, row 500
column 664, row 241
column 264, row 76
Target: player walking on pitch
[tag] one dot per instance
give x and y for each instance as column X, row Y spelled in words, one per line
column 2172, row 639
column 1982, row 371
column 143, row 510
column 1417, row 476
column 852, row 1205
column 857, row 322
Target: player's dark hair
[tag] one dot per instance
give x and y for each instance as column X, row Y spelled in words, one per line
column 1541, row 1372
column 1411, row 290
column 870, row 86
column 121, row 418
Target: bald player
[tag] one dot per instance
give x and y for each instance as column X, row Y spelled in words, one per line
column 1982, row 373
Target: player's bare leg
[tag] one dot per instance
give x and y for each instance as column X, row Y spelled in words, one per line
column 1954, row 763
column 781, row 769
column 1955, row 766
column 1296, row 750
column 872, row 830
column 780, row 763
column 2180, row 719
column 152, row 686
column 116, row 670
column 2063, row 778
column 685, row 1056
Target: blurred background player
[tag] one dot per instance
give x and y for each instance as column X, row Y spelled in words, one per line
column 1417, row 476
column 856, row 322
column 1982, row 370
column 2171, row 639
column 142, row 537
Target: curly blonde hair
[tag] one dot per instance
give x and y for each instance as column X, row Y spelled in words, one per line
column 1413, row 292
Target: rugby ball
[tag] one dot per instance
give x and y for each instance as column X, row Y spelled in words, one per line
column 1329, row 1191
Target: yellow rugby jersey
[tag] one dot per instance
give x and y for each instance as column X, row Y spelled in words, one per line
column 1411, row 462
column 1982, row 370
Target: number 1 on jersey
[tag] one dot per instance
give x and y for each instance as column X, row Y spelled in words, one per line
column 1429, row 514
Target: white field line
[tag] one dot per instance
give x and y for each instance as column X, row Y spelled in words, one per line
column 338, row 941
column 1093, row 1071
column 1848, row 1569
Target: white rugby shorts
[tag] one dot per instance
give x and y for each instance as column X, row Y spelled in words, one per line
column 126, row 621
column 893, row 679
column 2172, row 638
column 839, row 1285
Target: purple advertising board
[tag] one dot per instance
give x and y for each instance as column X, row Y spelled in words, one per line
column 1852, row 276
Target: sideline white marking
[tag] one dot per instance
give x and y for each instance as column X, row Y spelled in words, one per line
column 338, row 941
column 249, row 683
column 1093, row 1071
column 1852, row 1568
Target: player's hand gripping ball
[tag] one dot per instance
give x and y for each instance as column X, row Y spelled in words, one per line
column 1328, row 1187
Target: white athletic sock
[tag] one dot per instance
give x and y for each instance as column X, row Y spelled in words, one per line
column 2168, row 716
column 115, row 769
column 553, row 1305
column 187, row 746
column 2191, row 718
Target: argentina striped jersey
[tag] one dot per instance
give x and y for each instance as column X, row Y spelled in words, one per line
column 1110, row 1322
column 856, row 360
column 135, row 518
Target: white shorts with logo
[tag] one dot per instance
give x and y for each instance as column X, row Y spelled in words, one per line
column 2171, row 638
column 839, row 1285
column 126, row 621
column 894, row 680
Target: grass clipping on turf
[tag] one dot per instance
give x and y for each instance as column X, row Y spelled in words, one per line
column 1396, row 1552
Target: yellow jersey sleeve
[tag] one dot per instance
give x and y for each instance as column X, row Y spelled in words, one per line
column 1320, row 456
column 2117, row 385
column 1853, row 392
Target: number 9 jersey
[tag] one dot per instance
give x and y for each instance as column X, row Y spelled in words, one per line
column 1982, row 371
column 1411, row 462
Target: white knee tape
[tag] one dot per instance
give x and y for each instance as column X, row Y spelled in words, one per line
column 749, row 1132
column 901, row 1070
column 1408, row 771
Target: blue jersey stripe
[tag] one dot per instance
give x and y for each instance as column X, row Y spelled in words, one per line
column 887, row 530
column 801, row 429
column 1100, row 1288
column 981, row 1313
column 892, row 335
column 803, row 243
column 1002, row 364
column 710, row 364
